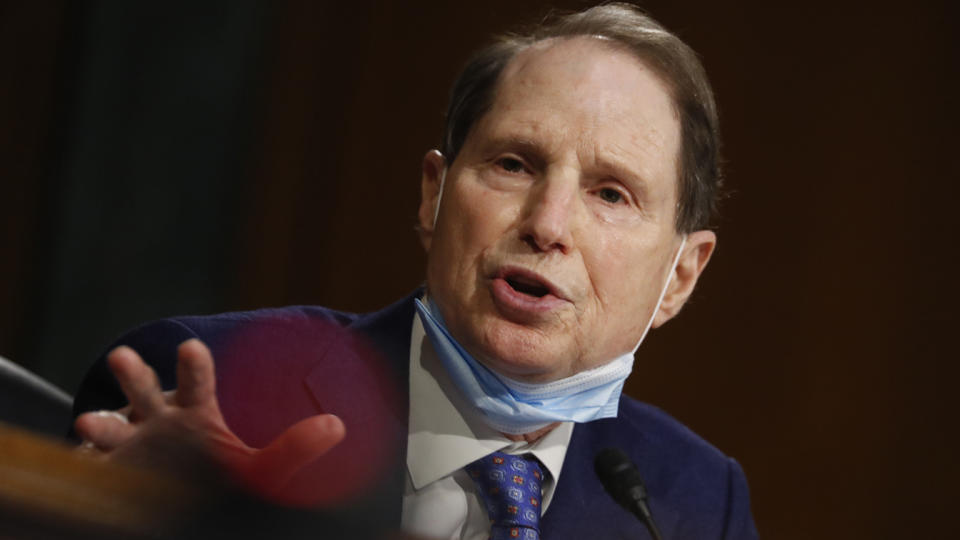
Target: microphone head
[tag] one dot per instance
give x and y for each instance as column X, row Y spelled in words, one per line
column 620, row 478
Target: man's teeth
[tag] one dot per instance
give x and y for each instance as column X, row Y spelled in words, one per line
column 528, row 287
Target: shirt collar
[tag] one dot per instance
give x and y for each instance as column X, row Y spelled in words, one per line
column 446, row 433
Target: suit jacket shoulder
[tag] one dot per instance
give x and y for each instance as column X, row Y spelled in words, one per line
column 694, row 491
column 157, row 341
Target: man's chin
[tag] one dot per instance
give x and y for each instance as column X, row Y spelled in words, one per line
column 517, row 351
column 532, row 359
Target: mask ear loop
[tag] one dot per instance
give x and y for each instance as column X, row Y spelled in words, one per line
column 663, row 292
column 436, row 209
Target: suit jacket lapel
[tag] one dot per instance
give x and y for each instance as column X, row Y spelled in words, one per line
column 363, row 377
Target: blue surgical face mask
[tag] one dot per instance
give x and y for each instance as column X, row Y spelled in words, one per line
column 515, row 407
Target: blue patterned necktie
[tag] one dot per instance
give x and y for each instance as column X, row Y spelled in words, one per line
column 510, row 488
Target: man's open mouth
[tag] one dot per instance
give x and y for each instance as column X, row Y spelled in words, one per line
column 523, row 295
column 527, row 285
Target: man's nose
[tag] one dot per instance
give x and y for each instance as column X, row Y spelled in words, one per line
column 550, row 212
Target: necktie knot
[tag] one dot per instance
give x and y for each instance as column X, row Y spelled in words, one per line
column 510, row 488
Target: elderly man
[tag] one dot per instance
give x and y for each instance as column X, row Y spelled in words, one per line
column 564, row 217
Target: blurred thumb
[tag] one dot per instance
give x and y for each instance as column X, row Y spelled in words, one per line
column 301, row 444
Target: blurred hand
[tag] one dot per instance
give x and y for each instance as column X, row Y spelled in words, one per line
column 144, row 432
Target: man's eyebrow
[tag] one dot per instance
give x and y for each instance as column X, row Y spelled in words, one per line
column 629, row 176
column 523, row 145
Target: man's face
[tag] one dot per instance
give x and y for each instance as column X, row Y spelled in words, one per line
column 555, row 233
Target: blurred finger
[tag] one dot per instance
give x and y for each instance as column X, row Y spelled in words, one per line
column 137, row 380
column 295, row 448
column 87, row 447
column 196, row 378
column 104, row 429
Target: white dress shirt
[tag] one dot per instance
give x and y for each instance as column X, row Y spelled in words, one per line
column 445, row 434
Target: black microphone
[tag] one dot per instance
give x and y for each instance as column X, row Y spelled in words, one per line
column 622, row 481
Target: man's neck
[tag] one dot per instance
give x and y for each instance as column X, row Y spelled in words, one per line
column 533, row 436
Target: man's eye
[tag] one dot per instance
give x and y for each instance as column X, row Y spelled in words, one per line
column 511, row 165
column 610, row 195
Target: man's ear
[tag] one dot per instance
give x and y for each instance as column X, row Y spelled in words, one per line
column 693, row 259
column 431, row 184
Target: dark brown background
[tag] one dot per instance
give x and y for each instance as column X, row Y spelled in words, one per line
column 162, row 160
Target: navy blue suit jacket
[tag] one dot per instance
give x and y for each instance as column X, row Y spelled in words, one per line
column 277, row 366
